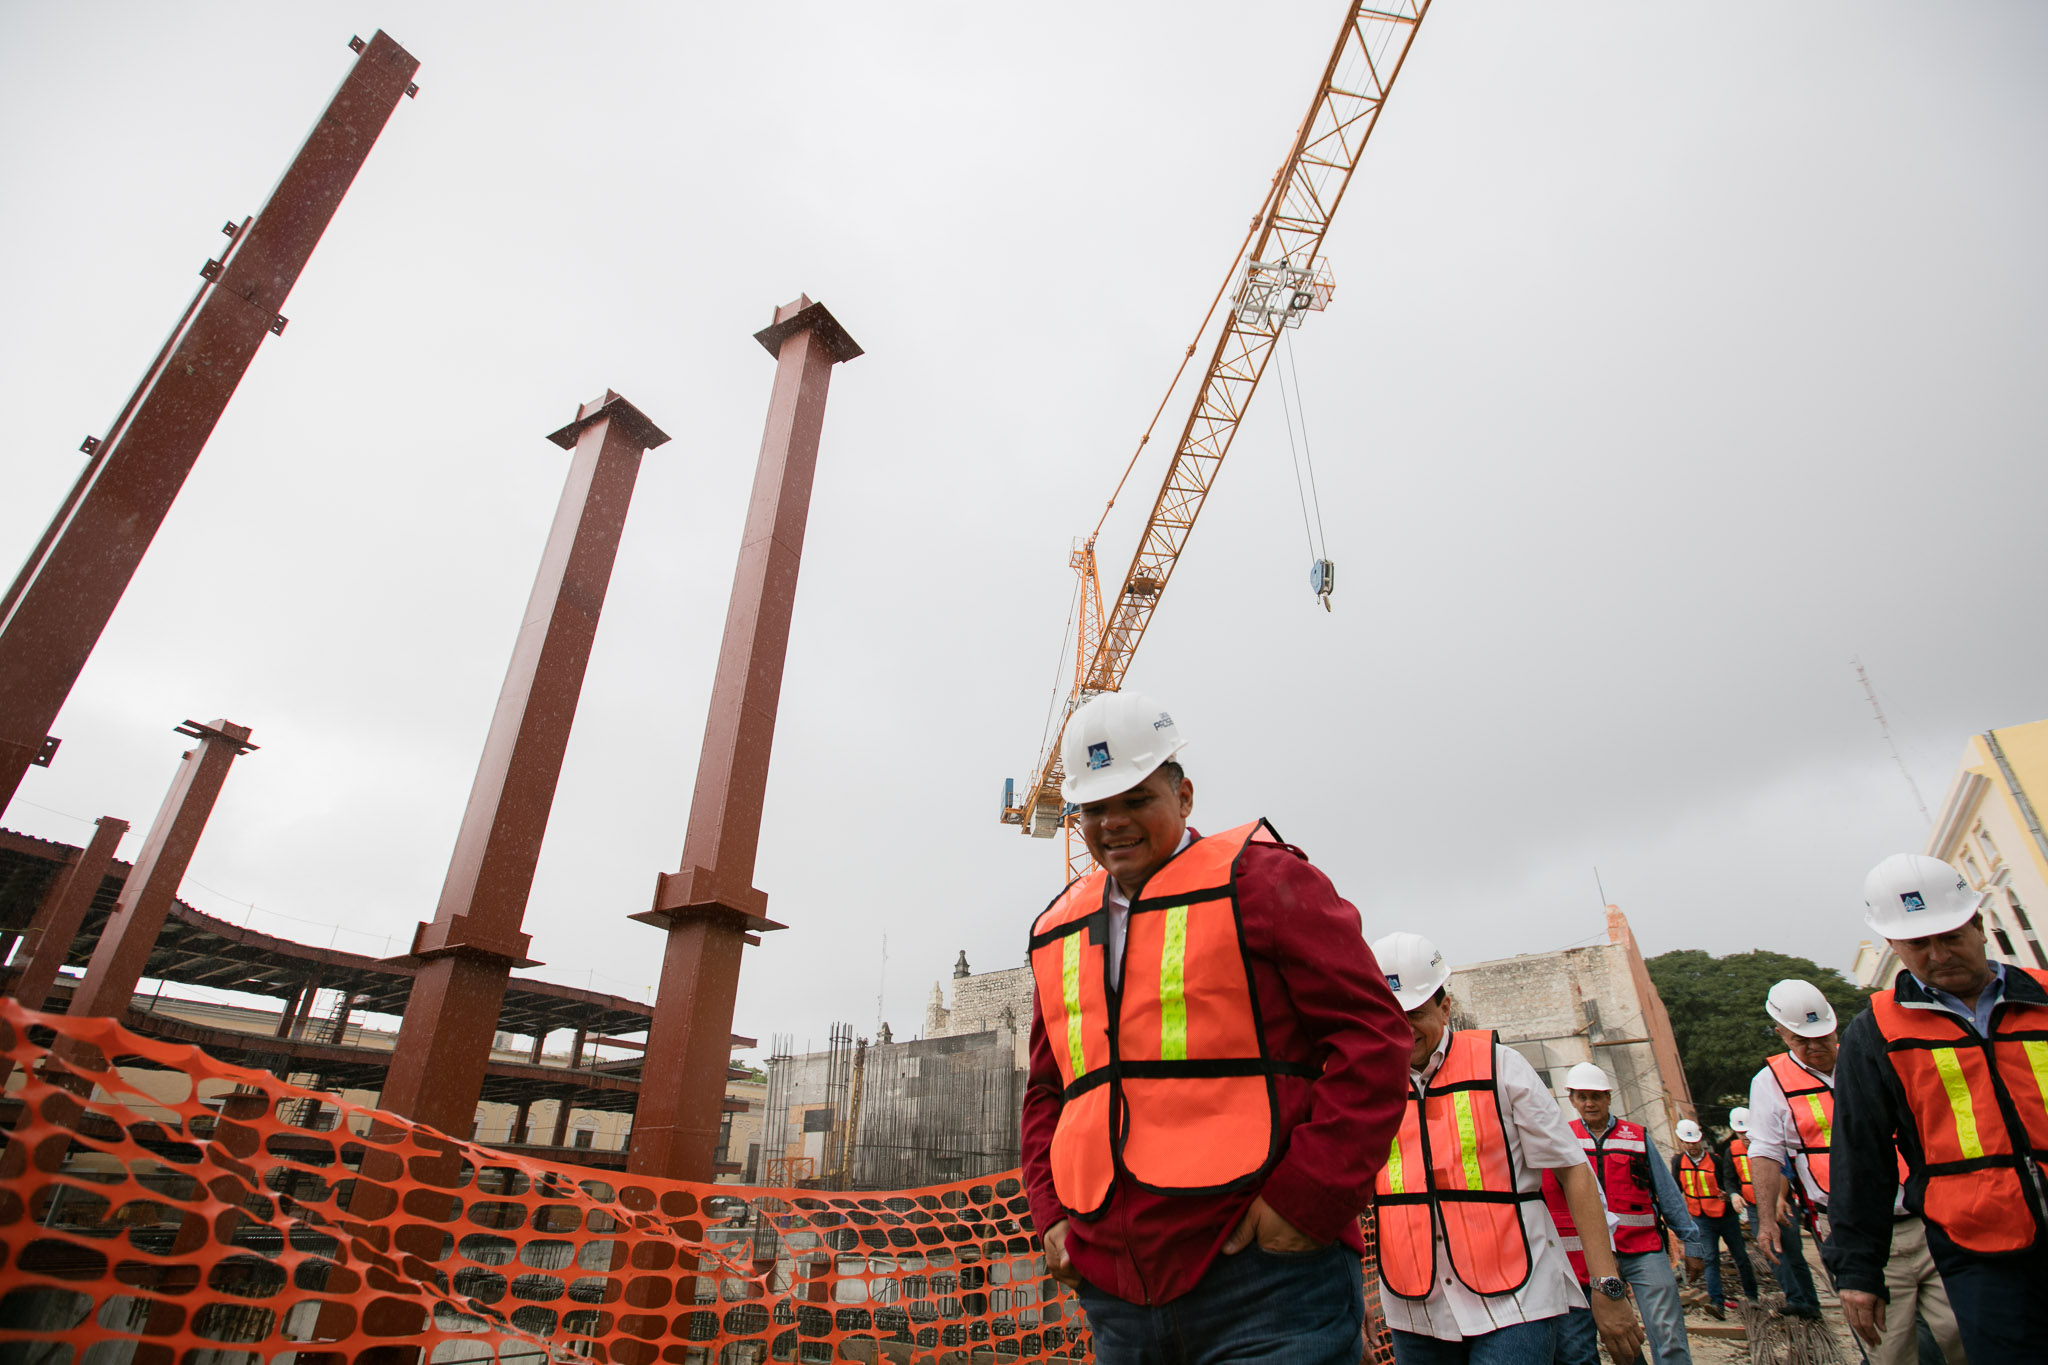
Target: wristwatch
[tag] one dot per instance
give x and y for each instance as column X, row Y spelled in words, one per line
column 1612, row 1286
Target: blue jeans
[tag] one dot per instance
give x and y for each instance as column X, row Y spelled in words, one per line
column 1521, row 1343
column 1727, row 1228
column 1274, row 1308
column 1578, row 1340
column 1656, row 1289
column 1793, row 1274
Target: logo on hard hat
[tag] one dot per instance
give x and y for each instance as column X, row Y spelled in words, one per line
column 1813, row 1016
column 1163, row 722
column 1393, row 981
column 1913, row 900
column 1098, row 756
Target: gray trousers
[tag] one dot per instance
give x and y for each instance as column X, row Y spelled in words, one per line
column 1656, row 1289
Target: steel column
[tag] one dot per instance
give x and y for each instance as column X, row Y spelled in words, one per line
column 50, row 934
column 475, row 939
column 122, row 953
column 710, row 903
column 60, row 603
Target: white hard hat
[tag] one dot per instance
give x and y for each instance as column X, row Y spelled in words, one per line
column 1799, row 1006
column 1586, row 1076
column 1911, row 895
column 1688, row 1131
column 1114, row 742
column 1738, row 1119
column 1415, row 968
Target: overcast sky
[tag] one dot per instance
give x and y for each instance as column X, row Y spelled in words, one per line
column 1679, row 353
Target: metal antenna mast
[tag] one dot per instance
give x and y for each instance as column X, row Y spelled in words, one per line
column 1884, row 728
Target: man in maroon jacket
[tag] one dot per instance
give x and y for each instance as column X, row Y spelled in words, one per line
column 1262, row 1260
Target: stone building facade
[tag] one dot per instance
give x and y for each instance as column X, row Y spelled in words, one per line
column 1592, row 1004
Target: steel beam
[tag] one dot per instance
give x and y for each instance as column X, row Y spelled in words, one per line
column 60, row 603
column 710, row 904
column 475, row 939
column 48, row 941
column 131, row 931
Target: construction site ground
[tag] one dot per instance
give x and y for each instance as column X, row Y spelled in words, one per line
column 1778, row 1340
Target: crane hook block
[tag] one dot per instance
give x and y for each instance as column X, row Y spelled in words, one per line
column 1322, row 578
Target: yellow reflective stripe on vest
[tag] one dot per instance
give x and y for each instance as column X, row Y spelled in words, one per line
column 1468, row 1139
column 1173, row 1000
column 1070, row 987
column 1394, row 1185
column 1958, row 1088
column 2037, row 1058
column 1820, row 1119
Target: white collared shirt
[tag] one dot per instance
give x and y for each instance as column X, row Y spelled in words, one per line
column 1539, row 1139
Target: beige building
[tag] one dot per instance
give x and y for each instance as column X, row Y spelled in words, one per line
column 1989, row 828
column 1593, row 1004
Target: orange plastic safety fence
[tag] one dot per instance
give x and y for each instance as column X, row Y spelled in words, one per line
column 166, row 1231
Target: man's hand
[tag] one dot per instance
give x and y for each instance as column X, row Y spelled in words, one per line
column 1616, row 1322
column 1056, row 1263
column 1272, row 1232
column 1865, row 1312
column 1694, row 1268
column 1767, row 1240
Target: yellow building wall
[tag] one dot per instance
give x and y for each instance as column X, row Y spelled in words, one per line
column 1983, row 830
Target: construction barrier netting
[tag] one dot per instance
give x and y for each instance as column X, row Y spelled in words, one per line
column 273, row 1225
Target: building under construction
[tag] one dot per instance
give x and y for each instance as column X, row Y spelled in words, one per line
column 554, row 1104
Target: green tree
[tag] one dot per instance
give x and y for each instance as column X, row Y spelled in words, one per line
column 1717, row 1014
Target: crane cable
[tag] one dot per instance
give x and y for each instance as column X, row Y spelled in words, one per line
column 1318, row 541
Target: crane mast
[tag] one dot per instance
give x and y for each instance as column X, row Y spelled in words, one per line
column 1283, row 279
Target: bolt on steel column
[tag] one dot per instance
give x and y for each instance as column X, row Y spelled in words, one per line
column 709, row 904
column 475, row 939
column 60, row 603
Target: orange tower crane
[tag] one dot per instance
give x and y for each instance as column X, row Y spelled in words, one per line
column 1279, row 277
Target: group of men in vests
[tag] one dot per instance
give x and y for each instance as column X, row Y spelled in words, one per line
column 1224, row 1077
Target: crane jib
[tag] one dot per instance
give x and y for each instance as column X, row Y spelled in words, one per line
column 1283, row 278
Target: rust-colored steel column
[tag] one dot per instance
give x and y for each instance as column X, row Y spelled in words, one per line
column 709, row 904
column 474, row 941
column 123, row 951
column 50, row 933
column 60, row 603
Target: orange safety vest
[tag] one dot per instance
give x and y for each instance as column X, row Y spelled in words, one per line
column 1980, row 1108
column 1450, row 1169
column 1703, row 1197
column 1738, row 1152
column 1168, row 1085
column 1812, row 1101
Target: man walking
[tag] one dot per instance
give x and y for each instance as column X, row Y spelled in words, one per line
column 1472, row 1272
column 1708, row 1181
column 1217, row 1072
column 1944, row 1081
column 1641, row 1199
column 1794, row 1276
column 1792, row 1104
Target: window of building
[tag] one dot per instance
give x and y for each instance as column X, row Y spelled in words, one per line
column 584, row 1137
column 2019, row 915
column 1984, row 838
column 2004, row 943
column 1970, row 866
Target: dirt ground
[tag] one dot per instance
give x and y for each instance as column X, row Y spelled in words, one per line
column 1733, row 1350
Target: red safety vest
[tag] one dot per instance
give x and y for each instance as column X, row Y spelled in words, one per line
column 1450, row 1170
column 1703, row 1196
column 1980, row 1108
column 1812, row 1101
column 1621, row 1162
column 1167, row 1082
column 1738, row 1152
